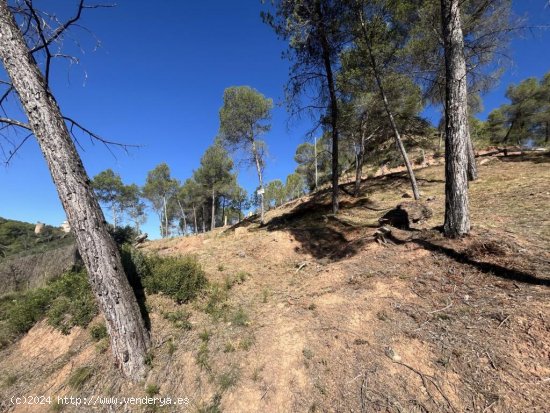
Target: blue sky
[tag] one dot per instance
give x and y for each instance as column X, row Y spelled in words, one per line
column 158, row 79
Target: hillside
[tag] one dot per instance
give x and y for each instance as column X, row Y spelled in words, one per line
column 311, row 314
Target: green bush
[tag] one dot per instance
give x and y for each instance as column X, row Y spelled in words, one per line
column 73, row 303
column 66, row 301
column 180, row 319
column 180, row 278
column 98, row 331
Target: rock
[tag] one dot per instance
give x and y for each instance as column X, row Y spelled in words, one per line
column 390, row 352
column 406, row 195
column 405, row 214
column 431, row 198
column 241, row 254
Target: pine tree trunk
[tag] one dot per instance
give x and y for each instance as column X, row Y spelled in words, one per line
column 129, row 337
column 457, row 214
column 165, row 217
column 396, row 134
column 316, row 165
column 333, row 106
column 183, row 216
column 203, row 219
column 195, row 219
column 472, row 166
column 213, row 220
column 260, row 180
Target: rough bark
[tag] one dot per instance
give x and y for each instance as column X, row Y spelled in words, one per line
column 129, row 337
column 457, row 215
column 472, row 166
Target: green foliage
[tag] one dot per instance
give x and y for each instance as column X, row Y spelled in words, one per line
column 247, row 342
column 180, row 278
column 152, row 389
column 216, row 304
column 159, row 188
column 275, row 194
column 18, row 238
column 79, row 377
column 240, row 317
column 203, row 356
column 123, row 235
column 98, row 331
column 73, row 303
column 229, row 379
column 179, row 319
column 66, row 301
column 526, row 119
column 244, row 116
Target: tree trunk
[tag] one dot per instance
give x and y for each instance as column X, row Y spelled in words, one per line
column 457, row 214
column 359, row 160
column 396, row 133
column 333, row 109
column 166, row 231
column 316, row 165
column 183, row 216
column 195, row 218
column 203, row 219
column 472, row 166
column 113, row 207
column 260, row 179
column 129, row 337
column 213, row 220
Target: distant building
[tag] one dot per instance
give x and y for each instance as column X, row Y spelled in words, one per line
column 65, row 227
column 39, row 228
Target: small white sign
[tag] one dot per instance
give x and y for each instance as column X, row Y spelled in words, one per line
column 260, row 191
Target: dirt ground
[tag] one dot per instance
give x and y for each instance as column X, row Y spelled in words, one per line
column 311, row 314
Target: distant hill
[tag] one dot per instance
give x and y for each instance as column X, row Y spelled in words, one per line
column 28, row 260
column 18, row 238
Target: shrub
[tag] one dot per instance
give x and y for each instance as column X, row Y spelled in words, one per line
column 72, row 304
column 179, row 318
column 98, row 331
column 152, row 389
column 240, row 318
column 180, row 278
column 66, row 301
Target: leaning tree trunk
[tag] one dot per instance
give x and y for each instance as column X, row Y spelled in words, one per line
column 396, row 134
column 457, row 214
column 129, row 337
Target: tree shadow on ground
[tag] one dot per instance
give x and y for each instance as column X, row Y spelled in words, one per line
column 485, row 267
column 321, row 233
column 535, row 157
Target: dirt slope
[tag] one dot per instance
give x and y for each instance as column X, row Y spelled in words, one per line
column 313, row 315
